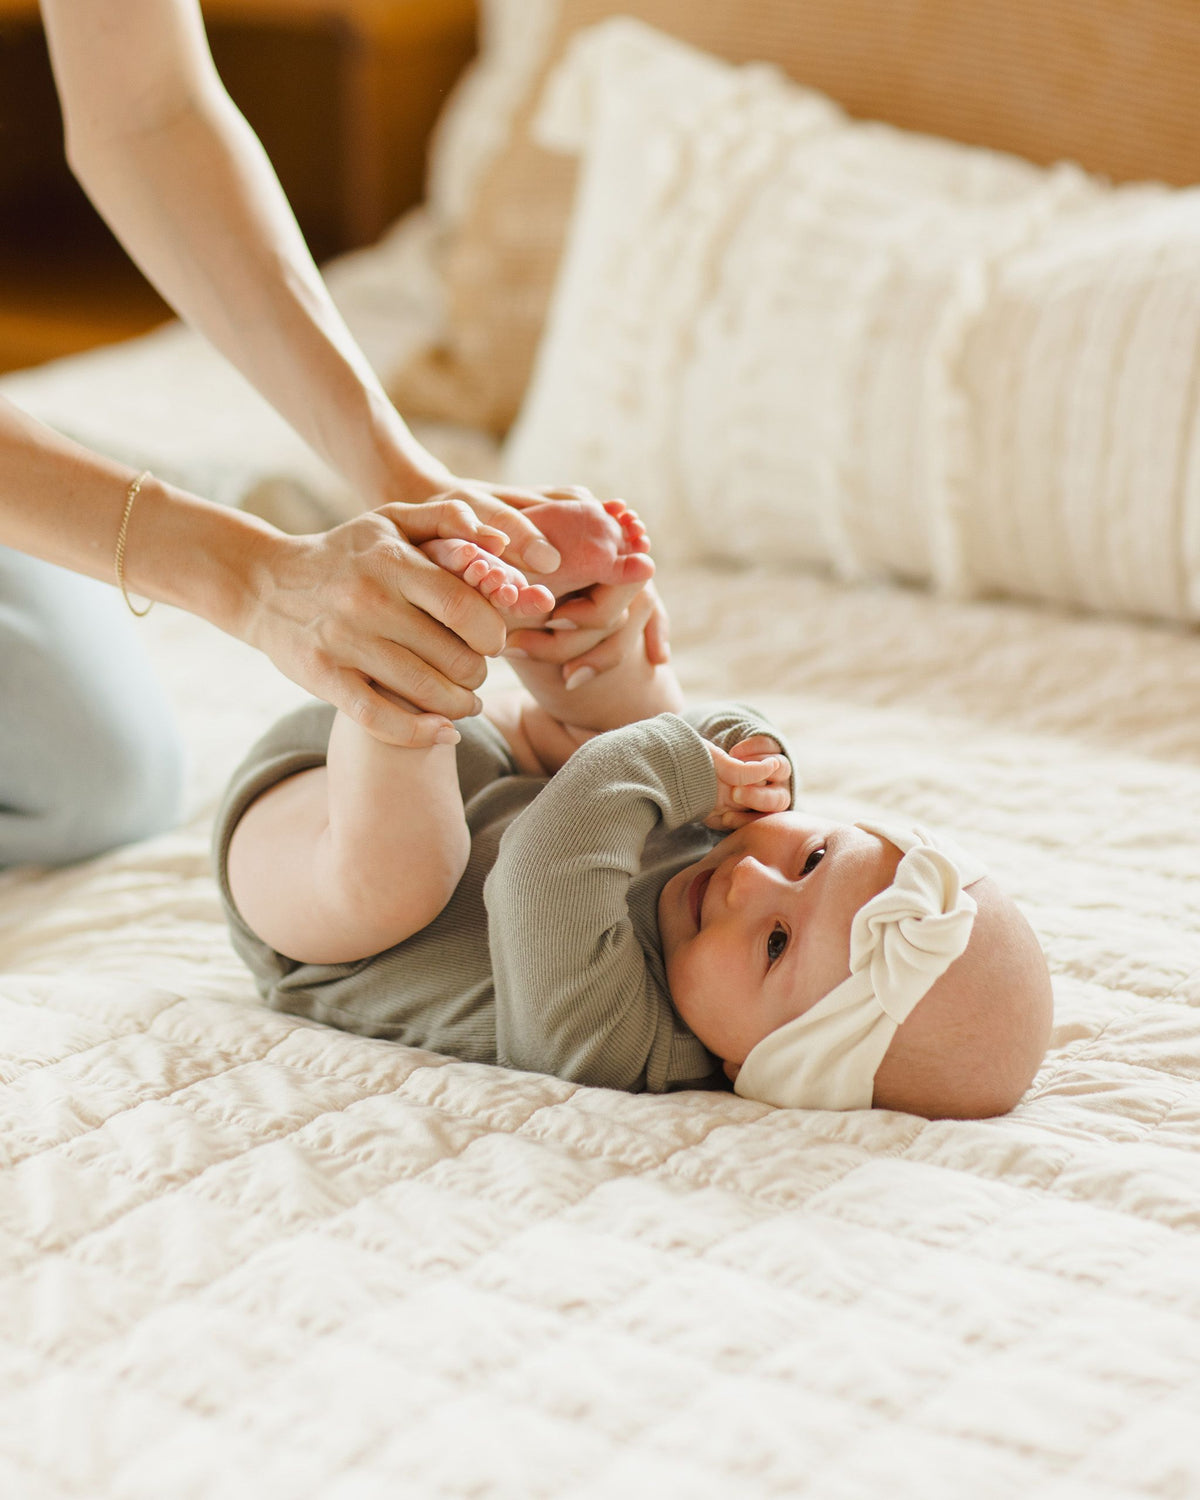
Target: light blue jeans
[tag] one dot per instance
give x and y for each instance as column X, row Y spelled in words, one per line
column 89, row 753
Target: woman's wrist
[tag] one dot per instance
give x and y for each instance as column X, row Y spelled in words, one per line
column 402, row 469
column 195, row 554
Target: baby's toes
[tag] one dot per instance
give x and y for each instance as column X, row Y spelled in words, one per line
column 632, row 567
column 497, row 588
column 633, row 533
column 499, row 582
column 453, row 554
column 532, row 599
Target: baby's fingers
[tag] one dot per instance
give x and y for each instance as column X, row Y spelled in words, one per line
column 761, row 798
column 757, row 745
column 744, row 773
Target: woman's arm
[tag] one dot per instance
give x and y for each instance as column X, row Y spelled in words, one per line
column 339, row 612
column 170, row 162
column 182, row 180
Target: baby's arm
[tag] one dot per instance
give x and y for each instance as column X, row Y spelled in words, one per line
column 633, row 688
column 545, row 723
column 574, row 995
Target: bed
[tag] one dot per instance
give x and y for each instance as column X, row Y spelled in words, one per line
column 245, row 1255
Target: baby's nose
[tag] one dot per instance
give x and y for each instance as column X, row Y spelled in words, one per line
column 750, row 878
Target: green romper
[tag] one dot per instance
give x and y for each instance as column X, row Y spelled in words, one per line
column 547, row 956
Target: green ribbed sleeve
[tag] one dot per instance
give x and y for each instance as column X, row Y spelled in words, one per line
column 573, row 992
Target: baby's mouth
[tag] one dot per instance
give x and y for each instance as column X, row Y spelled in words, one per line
column 696, row 895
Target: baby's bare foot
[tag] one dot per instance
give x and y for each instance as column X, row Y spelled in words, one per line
column 499, row 582
column 604, row 544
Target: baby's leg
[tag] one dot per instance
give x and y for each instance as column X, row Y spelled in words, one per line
column 603, row 544
column 499, row 582
column 345, row 860
column 350, row 858
column 599, row 544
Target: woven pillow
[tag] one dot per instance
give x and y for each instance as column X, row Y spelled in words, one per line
column 1096, row 81
column 787, row 336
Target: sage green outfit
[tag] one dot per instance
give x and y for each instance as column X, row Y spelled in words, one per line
column 547, row 956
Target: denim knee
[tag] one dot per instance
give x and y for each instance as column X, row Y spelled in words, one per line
column 119, row 779
column 89, row 753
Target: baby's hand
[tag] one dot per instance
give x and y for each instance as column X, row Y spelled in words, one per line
column 753, row 779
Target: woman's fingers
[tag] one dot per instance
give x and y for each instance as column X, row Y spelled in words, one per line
column 500, row 507
column 556, row 647
column 445, row 600
column 444, row 518
column 372, row 710
column 358, row 611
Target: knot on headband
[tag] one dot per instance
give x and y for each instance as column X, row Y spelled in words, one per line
column 901, row 942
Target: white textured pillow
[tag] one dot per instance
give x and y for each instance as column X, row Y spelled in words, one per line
column 784, row 335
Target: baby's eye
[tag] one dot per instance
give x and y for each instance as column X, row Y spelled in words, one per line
column 776, row 944
column 813, row 860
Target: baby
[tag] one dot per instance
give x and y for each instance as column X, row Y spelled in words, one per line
column 599, row 884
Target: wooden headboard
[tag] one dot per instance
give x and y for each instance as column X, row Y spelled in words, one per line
column 1112, row 84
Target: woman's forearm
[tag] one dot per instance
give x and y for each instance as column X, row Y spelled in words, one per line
column 351, row 614
column 184, row 183
column 64, row 504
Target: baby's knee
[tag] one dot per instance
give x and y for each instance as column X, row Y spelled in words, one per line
column 428, row 897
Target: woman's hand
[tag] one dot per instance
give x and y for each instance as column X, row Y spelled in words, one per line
column 500, row 506
column 753, row 779
column 581, row 635
column 358, row 612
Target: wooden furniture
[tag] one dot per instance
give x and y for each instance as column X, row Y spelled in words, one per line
column 342, row 93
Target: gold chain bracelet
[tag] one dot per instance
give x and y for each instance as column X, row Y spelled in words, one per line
column 131, row 495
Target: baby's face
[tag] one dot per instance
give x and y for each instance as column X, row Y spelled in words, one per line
column 757, row 931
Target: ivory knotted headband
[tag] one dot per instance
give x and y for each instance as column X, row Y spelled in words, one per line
column 901, row 942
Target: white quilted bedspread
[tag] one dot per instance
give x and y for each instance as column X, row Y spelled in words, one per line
column 245, row 1256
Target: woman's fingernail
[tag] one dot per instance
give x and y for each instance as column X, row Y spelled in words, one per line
column 515, row 653
column 542, row 557
column 578, row 677
column 447, row 735
column 560, row 625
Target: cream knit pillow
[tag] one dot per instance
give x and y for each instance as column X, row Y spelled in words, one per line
column 1102, row 82
column 787, row 336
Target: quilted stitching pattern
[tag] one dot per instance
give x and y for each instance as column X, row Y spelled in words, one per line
column 241, row 1255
